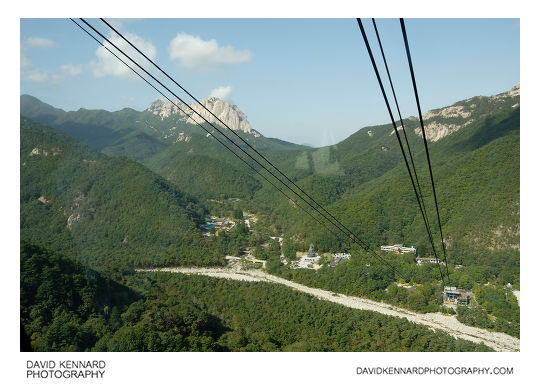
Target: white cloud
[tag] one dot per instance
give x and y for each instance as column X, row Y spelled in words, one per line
column 71, row 69
column 34, row 74
column 38, row 42
column 37, row 76
column 195, row 53
column 25, row 62
column 107, row 64
column 41, row 76
column 221, row 92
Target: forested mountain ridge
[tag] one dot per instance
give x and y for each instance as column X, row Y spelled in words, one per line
column 105, row 210
column 112, row 214
column 328, row 173
column 168, row 142
column 162, row 122
column 373, row 150
column 476, row 170
column 445, row 121
column 369, row 160
column 363, row 182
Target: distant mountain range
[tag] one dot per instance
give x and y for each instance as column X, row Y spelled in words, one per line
column 116, row 128
column 162, row 123
column 357, row 172
column 168, row 141
column 102, row 193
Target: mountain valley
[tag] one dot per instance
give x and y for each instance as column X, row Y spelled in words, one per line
column 105, row 193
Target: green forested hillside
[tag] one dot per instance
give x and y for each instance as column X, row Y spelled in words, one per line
column 362, row 179
column 136, row 145
column 204, row 168
column 67, row 307
column 476, row 171
column 108, row 211
column 169, row 146
column 139, row 201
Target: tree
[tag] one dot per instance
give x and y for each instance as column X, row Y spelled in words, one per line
column 258, row 252
column 238, row 214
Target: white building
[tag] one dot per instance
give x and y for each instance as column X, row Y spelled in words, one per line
column 338, row 258
column 399, row 249
column 419, row 261
column 308, row 262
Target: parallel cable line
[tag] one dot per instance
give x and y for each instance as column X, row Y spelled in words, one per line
column 401, row 121
column 396, row 132
column 339, row 225
column 350, row 232
column 209, row 133
column 404, row 32
column 187, row 105
column 423, row 205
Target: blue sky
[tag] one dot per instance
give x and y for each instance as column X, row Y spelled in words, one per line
column 302, row 80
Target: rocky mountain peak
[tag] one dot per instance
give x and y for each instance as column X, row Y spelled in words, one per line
column 229, row 114
column 157, row 104
column 515, row 91
column 445, row 121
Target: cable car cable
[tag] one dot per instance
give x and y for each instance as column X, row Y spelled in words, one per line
column 366, row 41
column 404, row 32
column 339, row 225
column 238, row 136
column 204, row 128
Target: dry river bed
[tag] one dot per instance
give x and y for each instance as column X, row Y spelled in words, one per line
column 435, row 321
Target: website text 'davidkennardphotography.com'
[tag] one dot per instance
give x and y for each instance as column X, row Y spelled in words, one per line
column 434, row 370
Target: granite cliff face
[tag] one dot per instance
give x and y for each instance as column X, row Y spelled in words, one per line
column 165, row 110
column 229, row 114
column 445, row 121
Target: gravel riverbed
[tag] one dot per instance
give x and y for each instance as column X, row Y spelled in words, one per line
column 435, row 321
